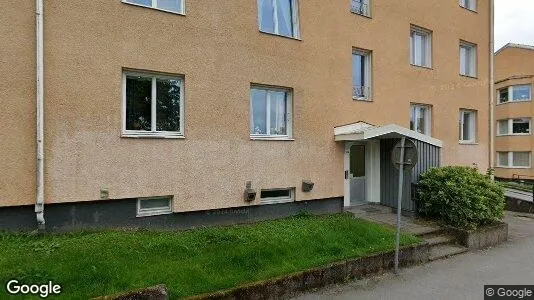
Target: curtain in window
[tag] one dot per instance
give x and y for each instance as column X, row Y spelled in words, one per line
column 467, row 126
column 464, row 61
column 521, row 159
column 503, row 127
column 503, row 158
column 278, row 105
column 266, row 15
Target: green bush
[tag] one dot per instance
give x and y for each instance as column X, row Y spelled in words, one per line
column 460, row 197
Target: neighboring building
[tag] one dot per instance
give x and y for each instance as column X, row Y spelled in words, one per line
column 514, row 76
column 171, row 107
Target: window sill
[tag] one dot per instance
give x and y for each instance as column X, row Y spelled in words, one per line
column 152, row 214
column 259, row 138
column 279, row 35
column 514, row 101
column 503, row 167
column 155, row 8
column 363, row 15
column 467, row 143
column 469, row 76
column 356, row 99
column 422, row 67
column 514, row 134
column 152, row 136
column 470, row 10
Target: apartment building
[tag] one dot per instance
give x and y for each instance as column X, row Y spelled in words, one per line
column 184, row 113
column 514, row 76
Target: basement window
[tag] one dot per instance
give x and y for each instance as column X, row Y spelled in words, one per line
column 154, row 206
column 274, row 196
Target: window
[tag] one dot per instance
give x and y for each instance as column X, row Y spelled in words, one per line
column 468, row 59
column 515, row 93
column 270, row 113
column 420, row 47
column 420, row 118
column 469, row 4
column 277, row 196
column 361, row 7
column 520, row 126
column 153, row 105
column 279, row 17
column 514, row 159
column 467, row 126
column 361, row 74
column 175, row 6
column 154, row 206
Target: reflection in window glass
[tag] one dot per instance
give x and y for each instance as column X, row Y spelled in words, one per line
column 259, row 111
column 284, row 14
column 141, row 2
column 172, row 5
column 167, row 105
column 138, row 103
column 521, row 92
column 277, row 17
column 521, row 126
column 503, row 95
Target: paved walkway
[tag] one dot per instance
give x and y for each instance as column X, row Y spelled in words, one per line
column 460, row 277
column 384, row 215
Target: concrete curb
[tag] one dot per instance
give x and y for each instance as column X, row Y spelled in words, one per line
column 293, row 284
column 158, row 292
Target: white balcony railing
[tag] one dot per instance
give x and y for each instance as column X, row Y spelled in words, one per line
column 360, row 93
column 360, row 7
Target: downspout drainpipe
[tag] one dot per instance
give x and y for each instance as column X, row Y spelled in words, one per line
column 39, row 203
column 492, row 89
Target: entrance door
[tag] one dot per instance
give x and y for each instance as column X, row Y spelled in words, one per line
column 356, row 175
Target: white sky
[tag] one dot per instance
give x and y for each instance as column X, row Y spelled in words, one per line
column 514, row 22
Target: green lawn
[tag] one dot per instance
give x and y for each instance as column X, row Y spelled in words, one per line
column 188, row 262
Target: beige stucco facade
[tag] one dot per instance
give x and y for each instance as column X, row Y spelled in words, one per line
column 220, row 52
column 514, row 65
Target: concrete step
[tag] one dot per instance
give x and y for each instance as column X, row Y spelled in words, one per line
column 424, row 231
column 439, row 239
column 446, row 250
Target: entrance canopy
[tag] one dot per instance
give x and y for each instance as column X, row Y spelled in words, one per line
column 362, row 131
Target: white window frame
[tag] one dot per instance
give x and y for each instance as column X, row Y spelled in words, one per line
column 289, row 117
column 164, row 210
column 364, row 5
column 473, row 59
column 428, row 45
column 294, row 19
column 367, row 54
column 511, row 160
column 510, row 127
column 153, row 132
column 278, row 200
column 469, row 4
column 511, row 94
column 428, row 117
column 472, row 126
column 155, row 6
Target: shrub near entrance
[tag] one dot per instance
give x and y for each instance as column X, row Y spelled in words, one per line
column 460, row 197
